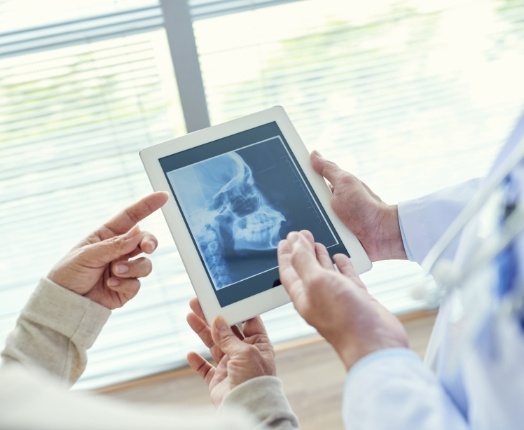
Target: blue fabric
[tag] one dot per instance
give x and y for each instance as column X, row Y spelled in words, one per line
column 506, row 266
column 507, row 260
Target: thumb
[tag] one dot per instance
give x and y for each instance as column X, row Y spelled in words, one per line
column 326, row 168
column 225, row 339
column 105, row 251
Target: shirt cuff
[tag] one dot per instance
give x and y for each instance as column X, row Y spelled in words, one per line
column 415, row 224
column 424, row 220
column 370, row 365
column 66, row 312
column 381, row 355
column 263, row 397
column 405, row 242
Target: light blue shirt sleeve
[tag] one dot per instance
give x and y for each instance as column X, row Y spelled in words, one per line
column 393, row 390
column 423, row 220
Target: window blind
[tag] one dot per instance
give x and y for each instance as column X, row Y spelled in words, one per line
column 78, row 31
column 202, row 9
column 391, row 91
column 78, row 99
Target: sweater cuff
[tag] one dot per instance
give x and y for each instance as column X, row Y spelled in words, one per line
column 66, row 312
column 263, row 397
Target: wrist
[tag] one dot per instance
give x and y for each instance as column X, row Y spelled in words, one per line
column 351, row 356
column 390, row 246
column 61, row 275
column 351, row 349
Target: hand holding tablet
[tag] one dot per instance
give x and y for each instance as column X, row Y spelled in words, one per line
column 236, row 190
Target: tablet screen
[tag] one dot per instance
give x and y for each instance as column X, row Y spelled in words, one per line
column 239, row 196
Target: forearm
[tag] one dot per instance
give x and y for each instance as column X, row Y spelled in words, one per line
column 391, row 390
column 54, row 330
column 263, row 397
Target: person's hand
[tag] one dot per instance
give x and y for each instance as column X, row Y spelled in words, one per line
column 240, row 354
column 337, row 304
column 374, row 222
column 101, row 267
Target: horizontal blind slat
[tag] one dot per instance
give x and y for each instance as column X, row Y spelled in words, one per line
column 86, row 30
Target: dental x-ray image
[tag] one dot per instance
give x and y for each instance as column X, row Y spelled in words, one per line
column 240, row 204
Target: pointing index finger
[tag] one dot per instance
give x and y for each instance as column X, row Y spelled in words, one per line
column 131, row 215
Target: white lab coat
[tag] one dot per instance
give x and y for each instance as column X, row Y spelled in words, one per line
column 475, row 379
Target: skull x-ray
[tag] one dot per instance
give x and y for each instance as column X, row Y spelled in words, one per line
column 238, row 205
column 229, row 216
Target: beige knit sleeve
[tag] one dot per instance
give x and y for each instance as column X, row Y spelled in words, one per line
column 32, row 401
column 264, row 398
column 54, row 330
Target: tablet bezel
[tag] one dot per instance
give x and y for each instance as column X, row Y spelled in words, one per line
column 275, row 296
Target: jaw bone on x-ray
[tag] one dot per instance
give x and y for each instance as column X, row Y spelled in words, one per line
column 228, row 215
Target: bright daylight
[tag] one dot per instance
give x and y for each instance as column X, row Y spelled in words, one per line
column 271, row 214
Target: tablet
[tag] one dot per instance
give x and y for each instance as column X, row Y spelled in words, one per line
column 236, row 189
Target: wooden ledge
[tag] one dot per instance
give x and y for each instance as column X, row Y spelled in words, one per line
column 408, row 319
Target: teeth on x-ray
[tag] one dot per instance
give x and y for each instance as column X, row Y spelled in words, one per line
column 257, row 231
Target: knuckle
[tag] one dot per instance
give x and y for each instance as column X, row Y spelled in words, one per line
column 114, row 240
column 331, row 167
column 252, row 352
column 131, row 215
column 118, row 242
column 316, row 279
column 346, row 179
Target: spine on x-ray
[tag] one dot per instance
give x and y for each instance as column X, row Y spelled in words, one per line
column 213, row 252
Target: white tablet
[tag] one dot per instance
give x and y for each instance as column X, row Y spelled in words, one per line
column 236, row 189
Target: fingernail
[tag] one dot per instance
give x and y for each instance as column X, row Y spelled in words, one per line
column 150, row 246
column 221, row 325
column 113, row 282
column 121, row 268
column 318, row 154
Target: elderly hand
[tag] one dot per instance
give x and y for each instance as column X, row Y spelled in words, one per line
column 239, row 354
column 337, row 304
column 101, row 267
column 374, row 222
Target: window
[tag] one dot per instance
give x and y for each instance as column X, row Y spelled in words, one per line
column 390, row 89
column 78, row 99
